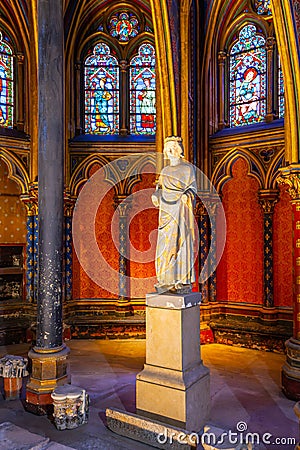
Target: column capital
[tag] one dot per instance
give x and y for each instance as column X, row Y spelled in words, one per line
column 270, row 43
column 267, row 198
column 123, row 65
column 122, row 203
column 69, row 203
column 199, row 209
column 30, row 199
column 222, row 57
column 20, row 58
column 290, row 177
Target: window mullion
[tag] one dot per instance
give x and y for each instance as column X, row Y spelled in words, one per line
column 270, row 79
column 124, row 104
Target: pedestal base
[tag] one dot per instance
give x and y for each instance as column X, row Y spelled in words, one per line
column 290, row 375
column 178, row 399
column 48, row 371
column 174, row 386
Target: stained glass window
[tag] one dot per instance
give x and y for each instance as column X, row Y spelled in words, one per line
column 280, row 91
column 123, row 26
column 6, row 84
column 101, row 91
column 263, row 7
column 142, row 91
column 247, row 78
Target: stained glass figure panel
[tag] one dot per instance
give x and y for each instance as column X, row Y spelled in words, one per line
column 142, row 91
column 101, row 88
column 263, row 7
column 280, row 91
column 247, row 83
column 123, row 26
column 6, row 84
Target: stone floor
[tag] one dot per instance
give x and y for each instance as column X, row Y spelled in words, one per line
column 245, row 390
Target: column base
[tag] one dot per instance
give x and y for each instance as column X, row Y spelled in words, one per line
column 290, row 375
column 48, row 371
column 123, row 309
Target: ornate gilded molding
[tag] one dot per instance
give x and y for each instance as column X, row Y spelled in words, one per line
column 292, row 180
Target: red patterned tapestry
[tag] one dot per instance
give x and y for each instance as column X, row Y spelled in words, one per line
column 240, row 272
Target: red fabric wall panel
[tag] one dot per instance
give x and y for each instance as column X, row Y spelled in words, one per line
column 282, row 250
column 83, row 286
column 240, row 272
column 143, row 233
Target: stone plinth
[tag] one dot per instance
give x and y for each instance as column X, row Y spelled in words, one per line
column 13, row 369
column 71, row 406
column 150, row 432
column 49, row 370
column 174, row 387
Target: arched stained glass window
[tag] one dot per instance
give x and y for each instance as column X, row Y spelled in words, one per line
column 280, row 91
column 6, row 84
column 247, row 78
column 101, row 92
column 142, row 91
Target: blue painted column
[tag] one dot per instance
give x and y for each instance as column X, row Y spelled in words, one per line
column 213, row 250
column 69, row 204
column 49, row 355
column 29, row 259
column 203, row 225
column 31, row 203
column 267, row 200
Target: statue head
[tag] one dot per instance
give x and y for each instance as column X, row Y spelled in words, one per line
column 173, row 147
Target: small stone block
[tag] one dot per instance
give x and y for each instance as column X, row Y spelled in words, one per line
column 149, row 431
column 71, row 406
column 173, row 301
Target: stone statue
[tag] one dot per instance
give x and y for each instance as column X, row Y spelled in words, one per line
column 174, row 196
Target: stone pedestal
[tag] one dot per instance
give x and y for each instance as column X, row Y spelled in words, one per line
column 71, row 406
column 173, row 387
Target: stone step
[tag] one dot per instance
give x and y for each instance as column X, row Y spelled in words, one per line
column 16, row 438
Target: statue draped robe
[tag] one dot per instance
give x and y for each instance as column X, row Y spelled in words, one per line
column 174, row 252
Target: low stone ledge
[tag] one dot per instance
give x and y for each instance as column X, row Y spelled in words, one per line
column 149, row 431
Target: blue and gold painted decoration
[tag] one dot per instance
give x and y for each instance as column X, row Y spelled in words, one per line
column 203, row 225
column 280, row 91
column 247, row 73
column 68, row 258
column 101, row 91
column 6, row 84
column 213, row 253
column 123, row 26
column 35, row 256
column 142, row 91
column 29, row 259
column 268, row 260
